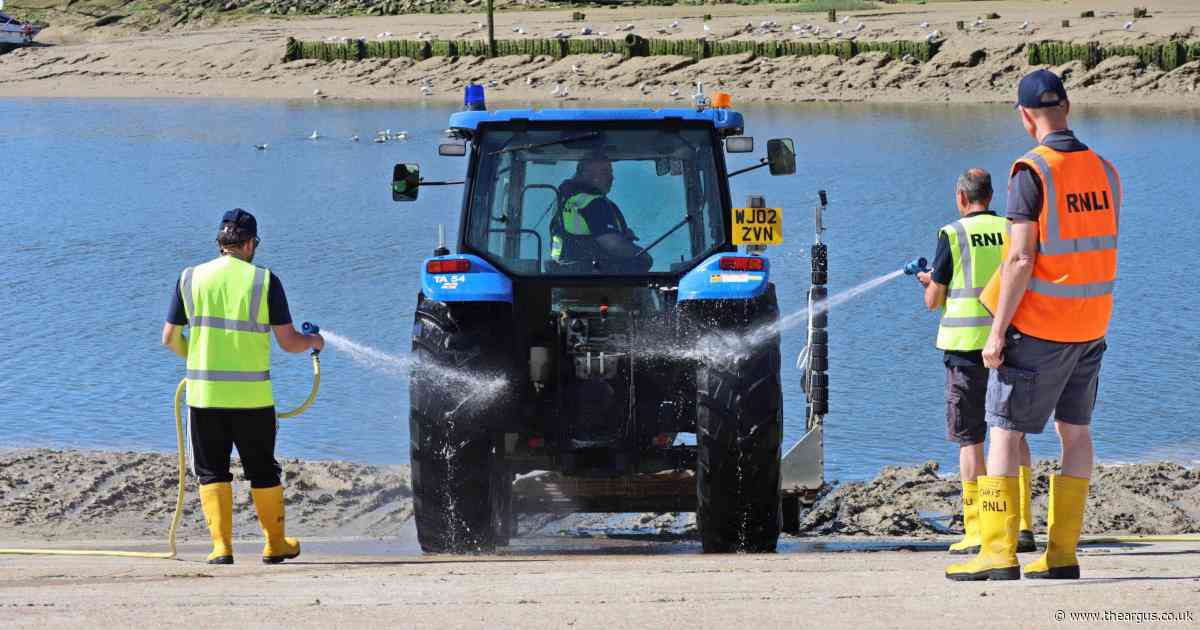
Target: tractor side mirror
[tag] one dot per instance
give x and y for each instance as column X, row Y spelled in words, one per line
column 781, row 156
column 739, row 144
column 452, row 149
column 406, row 182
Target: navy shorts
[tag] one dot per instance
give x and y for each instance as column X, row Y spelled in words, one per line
column 1040, row 379
column 966, row 394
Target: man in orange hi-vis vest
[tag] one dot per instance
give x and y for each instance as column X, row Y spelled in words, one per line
column 1047, row 338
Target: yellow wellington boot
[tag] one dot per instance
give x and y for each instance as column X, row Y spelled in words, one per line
column 1068, row 496
column 998, row 521
column 1025, row 541
column 216, row 499
column 269, row 504
column 970, row 542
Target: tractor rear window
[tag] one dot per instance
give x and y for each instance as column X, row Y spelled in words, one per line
column 596, row 200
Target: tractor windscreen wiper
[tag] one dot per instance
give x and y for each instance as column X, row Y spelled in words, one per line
column 538, row 145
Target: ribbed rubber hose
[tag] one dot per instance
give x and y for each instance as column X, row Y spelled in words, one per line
column 167, row 555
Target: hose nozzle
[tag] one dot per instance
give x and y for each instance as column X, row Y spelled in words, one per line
column 916, row 265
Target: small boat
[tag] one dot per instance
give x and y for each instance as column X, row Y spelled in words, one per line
column 14, row 33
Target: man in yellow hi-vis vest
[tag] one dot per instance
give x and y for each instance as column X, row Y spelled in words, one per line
column 968, row 253
column 590, row 227
column 231, row 307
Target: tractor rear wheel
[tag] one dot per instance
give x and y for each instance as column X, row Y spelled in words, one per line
column 453, row 450
column 739, row 431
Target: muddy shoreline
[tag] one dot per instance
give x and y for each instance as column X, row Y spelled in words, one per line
column 981, row 63
column 52, row 495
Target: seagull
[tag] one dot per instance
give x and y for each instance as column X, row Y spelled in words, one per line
column 516, row 29
column 675, row 24
column 934, row 35
column 675, row 92
column 602, row 34
column 400, row 135
column 1129, row 25
column 796, row 28
column 354, row 138
column 529, row 80
column 262, row 147
column 317, row 92
column 838, row 33
column 1024, row 25
column 860, row 28
column 521, row 31
column 426, row 90
column 978, row 21
column 315, row 135
column 560, row 35
column 924, row 24
column 492, row 83
column 379, row 36
column 587, row 30
column 707, row 28
column 420, row 34
column 479, row 26
column 576, row 69
column 380, row 139
column 845, row 18
column 558, row 90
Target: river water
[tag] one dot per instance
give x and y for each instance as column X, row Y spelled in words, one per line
column 105, row 201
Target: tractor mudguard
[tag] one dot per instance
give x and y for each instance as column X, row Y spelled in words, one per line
column 709, row 282
column 481, row 283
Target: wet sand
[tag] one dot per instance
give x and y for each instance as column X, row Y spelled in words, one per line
column 558, row 586
column 980, row 64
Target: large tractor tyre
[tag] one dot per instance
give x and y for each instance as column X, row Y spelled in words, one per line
column 739, row 430
column 453, row 450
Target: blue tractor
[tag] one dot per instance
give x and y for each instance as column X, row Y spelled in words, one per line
column 598, row 322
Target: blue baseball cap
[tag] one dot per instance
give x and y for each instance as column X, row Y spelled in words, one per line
column 237, row 225
column 1041, row 88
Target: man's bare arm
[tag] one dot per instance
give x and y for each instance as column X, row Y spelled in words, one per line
column 935, row 295
column 1015, row 271
column 172, row 339
column 292, row 340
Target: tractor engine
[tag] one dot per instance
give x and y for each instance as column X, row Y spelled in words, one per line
column 597, row 372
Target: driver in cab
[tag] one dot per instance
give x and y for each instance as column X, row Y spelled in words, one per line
column 590, row 227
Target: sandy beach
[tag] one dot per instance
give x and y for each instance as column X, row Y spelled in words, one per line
column 872, row 555
column 243, row 58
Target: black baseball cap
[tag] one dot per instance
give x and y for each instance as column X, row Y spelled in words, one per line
column 1041, row 88
column 237, row 226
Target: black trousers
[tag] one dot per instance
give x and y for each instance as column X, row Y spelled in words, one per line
column 216, row 431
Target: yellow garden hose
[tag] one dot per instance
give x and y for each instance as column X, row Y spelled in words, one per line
column 167, row 555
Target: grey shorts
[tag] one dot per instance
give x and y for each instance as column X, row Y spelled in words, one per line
column 966, row 392
column 1040, row 379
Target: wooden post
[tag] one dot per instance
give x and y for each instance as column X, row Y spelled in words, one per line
column 833, row 15
column 1066, row 23
column 491, row 28
column 960, row 25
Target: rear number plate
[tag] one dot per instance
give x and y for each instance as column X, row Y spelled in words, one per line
column 757, row 226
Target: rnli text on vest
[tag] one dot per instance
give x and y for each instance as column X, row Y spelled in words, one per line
column 984, row 240
column 751, row 231
column 1088, row 201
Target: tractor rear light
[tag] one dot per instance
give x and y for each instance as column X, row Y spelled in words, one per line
column 536, row 442
column 662, row 440
column 453, row 265
column 742, row 263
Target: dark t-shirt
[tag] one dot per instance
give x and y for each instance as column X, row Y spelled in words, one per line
column 278, row 313
column 942, row 273
column 1025, row 187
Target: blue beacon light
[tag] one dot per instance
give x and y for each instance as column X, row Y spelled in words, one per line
column 473, row 98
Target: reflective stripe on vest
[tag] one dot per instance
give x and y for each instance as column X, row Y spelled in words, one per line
column 975, row 245
column 229, row 346
column 1070, row 294
column 573, row 222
